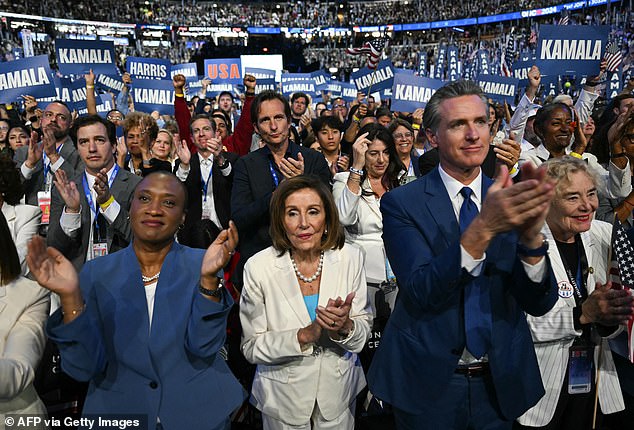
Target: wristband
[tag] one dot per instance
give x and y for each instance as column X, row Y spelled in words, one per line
column 90, row 86
column 74, row 312
column 416, row 126
column 356, row 171
column 179, row 95
column 576, row 155
column 108, row 202
column 213, row 293
column 356, row 119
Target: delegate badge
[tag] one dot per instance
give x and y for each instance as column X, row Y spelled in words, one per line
column 565, row 289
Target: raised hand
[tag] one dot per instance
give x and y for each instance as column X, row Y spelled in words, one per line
column 51, row 269
column 291, row 168
column 219, row 252
column 249, row 82
column 359, row 148
column 122, row 151
column 49, row 144
column 182, row 151
column 68, row 191
column 90, row 78
column 179, row 83
column 35, row 151
column 101, row 187
column 508, row 151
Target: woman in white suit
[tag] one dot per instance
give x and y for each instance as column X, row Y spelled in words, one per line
column 570, row 337
column 305, row 314
column 23, row 220
column 375, row 170
column 24, row 308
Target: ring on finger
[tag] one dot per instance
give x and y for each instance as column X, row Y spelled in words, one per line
column 332, row 324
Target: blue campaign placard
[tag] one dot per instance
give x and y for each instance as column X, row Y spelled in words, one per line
column 348, row 92
column 380, row 79
column 411, row 92
column 571, row 49
column 321, row 79
column 334, row 88
column 62, row 90
column 520, row 71
column 29, row 76
column 224, row 70
column 77, row 57
column 300, row 85
column 78, row 94
column 265, row 85
column 109, row 83
column 148, row 68
column 453, row 64
column 260, row 73
column 190, row 71
column 551, row 84
column 287, row 77
column 499, row 88
column 484, row 64
column 153, row 95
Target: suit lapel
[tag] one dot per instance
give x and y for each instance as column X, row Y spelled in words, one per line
column 288, row 283
column 329, row 288
column 439, row 206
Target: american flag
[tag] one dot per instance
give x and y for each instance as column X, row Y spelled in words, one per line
column 565, row 17
column 373, row 49
column 508, row 54
column 613, row 56
column 622, row 271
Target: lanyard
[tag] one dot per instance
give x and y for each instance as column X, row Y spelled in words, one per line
column 47, row 165
column 579, row 280
column 205, row 184
column 91, row 203
column 276, row 179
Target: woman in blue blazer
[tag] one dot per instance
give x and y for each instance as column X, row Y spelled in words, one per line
column 142, row 325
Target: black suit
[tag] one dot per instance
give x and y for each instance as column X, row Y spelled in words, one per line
column 221, row 186
column 118, row 233
column 253, row 186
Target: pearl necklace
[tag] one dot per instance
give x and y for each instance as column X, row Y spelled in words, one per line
column 317, row 273
column 149, row 278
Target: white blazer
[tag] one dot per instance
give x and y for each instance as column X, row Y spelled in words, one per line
column 363, row 222
column 23, row 312
column 23, row 221
column 554, row 332
column 288, row 380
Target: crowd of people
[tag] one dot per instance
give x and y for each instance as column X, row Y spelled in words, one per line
column 264, row 262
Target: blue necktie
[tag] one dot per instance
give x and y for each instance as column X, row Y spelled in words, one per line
column 477, row 314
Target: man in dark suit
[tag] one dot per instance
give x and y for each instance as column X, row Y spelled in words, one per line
column 89, row 214
column 470, row 260
column 38, row 162
column 258, row 173
column 208, row 176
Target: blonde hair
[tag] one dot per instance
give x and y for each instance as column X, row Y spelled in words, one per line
column 560, row 169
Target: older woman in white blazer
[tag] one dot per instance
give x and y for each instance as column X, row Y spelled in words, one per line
column 305, row 314
column 24, row 307
column 587, row 313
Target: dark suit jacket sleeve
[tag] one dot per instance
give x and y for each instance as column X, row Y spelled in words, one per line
column 121, row 224
column 247, row 210
column 80, row 342
column 70, row 247
column 315, row 164
column 428, row 161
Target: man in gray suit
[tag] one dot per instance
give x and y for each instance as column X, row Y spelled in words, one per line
column 89, row 214
column 39, row 161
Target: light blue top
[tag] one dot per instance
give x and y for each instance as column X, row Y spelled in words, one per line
column 311, row 305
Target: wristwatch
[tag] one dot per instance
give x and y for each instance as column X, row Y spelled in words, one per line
column 213, row 293
column 540, row 251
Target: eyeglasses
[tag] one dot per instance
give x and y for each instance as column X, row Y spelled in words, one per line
column 114, row 117
column 400, row 136
column 338, row 106
column 4, row 127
